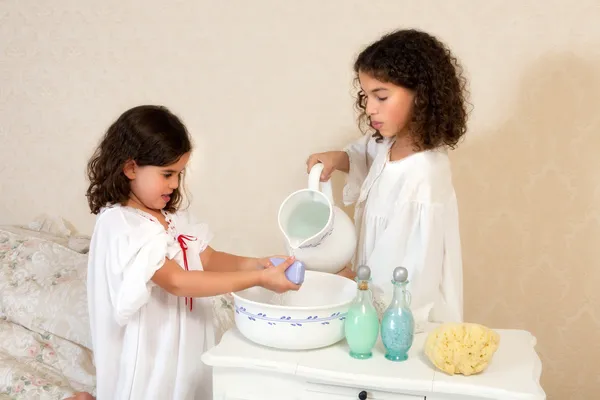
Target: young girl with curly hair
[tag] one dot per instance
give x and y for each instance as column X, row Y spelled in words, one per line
column 412, row 95
column 151, row 270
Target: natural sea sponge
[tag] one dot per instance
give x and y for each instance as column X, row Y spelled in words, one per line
column 461, row 348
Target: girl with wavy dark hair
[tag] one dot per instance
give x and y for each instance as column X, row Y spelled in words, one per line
column 151, row 271
column 412, row 99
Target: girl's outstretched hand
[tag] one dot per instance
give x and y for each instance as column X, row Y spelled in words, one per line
column 331, row 161
column 265, row 262
column 274, row 279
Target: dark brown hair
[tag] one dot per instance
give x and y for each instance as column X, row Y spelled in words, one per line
column 148, row 135
column 419, row 62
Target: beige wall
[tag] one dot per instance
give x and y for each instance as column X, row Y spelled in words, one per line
column 262, row 84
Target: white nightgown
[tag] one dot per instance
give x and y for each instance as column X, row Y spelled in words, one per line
column 406, row 214
column 147, row 343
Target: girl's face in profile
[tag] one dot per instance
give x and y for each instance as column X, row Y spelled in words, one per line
column 152, row 186
column 388, row 106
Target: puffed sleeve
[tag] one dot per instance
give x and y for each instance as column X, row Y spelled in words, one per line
column 361, row 154
column 134, row 250
column 192, row 227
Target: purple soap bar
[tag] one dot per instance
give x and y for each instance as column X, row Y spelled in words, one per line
column 294, row 273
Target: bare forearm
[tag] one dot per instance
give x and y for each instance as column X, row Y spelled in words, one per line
column 207, row 283
column 220, row 261
column 179, row 282
column 342, row 162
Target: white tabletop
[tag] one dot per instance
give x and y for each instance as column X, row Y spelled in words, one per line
column 513, row 373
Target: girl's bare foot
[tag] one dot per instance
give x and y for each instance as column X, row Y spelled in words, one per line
column 81, row 396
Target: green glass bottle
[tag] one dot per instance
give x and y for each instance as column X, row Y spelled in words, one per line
column 362, row 323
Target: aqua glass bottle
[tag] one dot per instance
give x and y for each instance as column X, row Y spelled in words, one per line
column 362, row 324
column 398, row 324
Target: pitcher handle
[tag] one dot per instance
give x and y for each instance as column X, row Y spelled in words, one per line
column 314, row 182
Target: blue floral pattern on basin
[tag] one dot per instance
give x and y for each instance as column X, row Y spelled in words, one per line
column 311, row 319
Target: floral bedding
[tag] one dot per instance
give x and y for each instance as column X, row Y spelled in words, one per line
column 41, row 365
column 44, row 326
column 45, row 344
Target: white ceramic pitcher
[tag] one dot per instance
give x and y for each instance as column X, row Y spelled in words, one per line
column 317, row 232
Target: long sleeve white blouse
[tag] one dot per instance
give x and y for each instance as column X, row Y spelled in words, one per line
column 406, row 214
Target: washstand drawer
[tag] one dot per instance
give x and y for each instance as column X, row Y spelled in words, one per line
column 319, row 391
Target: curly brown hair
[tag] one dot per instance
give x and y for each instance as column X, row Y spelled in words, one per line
column 148, row 135
column 419, row 62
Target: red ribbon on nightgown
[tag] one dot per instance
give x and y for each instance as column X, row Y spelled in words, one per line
column 181, row 239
